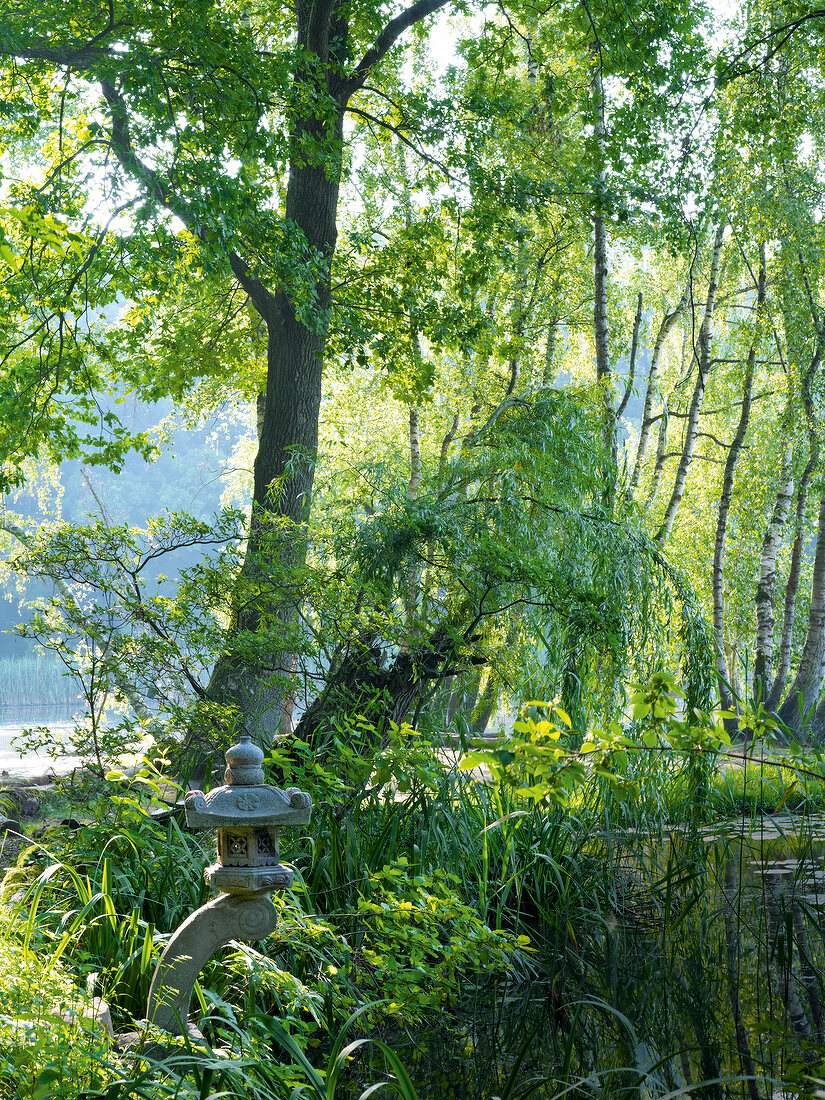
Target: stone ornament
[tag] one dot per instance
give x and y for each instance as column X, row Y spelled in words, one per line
column 248, row 815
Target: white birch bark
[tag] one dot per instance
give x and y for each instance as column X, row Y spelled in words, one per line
column 661, row 450
column 518, row 315
column 634, row 347
column 719, row 547
column 415, row 456
column 665, row 328
column 765, row 587
column 603, row 374
column 549, row 372
column 600, row 302
column 807, row 684
column 810, row 674
column 413, row 571
column 791, row 589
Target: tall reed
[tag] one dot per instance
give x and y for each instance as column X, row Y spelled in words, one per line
column 35, row 681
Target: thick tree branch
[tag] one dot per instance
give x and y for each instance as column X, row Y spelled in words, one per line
column 83, row 58
column 121, row 144
column 159, row 190
column 387, row 39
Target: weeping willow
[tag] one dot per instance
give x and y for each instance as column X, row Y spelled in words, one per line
column 508, row 566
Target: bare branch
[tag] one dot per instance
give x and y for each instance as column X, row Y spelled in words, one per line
column 399, row 133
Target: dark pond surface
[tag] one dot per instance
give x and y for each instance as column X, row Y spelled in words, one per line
column 692, row 964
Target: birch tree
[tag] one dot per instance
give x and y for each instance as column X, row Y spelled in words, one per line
column 702, row 359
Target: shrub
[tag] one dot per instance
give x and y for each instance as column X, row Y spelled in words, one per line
column 48, row 1046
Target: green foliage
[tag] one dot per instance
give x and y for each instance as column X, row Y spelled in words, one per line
column 105, row 892
column 121, row 635
column 325, row 1088
column 420, row 940
column 506, row 557
column 456, row 903
column 498, row 553
column 753, row 786
column 539, row 760
column 51, row 1044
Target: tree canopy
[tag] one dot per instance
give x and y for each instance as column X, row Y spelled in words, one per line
column 494, row 315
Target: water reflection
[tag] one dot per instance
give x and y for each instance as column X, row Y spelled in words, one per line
column 690, row 963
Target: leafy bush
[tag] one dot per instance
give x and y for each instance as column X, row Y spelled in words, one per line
column 50, row 1043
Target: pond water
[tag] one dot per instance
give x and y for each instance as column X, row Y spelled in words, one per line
column 690, row 963
column 693, row 964
column 30, row 764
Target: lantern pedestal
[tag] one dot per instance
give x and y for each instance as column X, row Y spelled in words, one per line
column 209, row 928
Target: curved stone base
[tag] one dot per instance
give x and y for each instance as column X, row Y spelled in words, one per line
column 227, row 917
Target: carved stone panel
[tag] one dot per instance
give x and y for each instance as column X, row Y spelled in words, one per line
column 242, row 846
column 235, row 846
column 266, row 847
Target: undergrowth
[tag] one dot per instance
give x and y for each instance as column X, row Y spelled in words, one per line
column 446, row 936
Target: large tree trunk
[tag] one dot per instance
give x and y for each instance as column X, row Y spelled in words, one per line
column 804, row 692
column 296, row 337
column 703, row 360
column 718, row 569
column 810, row 675
column 600, row 266
column 296, row 316
column 285, row 463
column 763, row 658
column 362, row 684
column 792, row 588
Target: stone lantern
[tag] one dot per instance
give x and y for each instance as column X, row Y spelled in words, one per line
column 248, row 815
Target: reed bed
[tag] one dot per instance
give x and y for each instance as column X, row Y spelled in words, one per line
column 35, row 681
